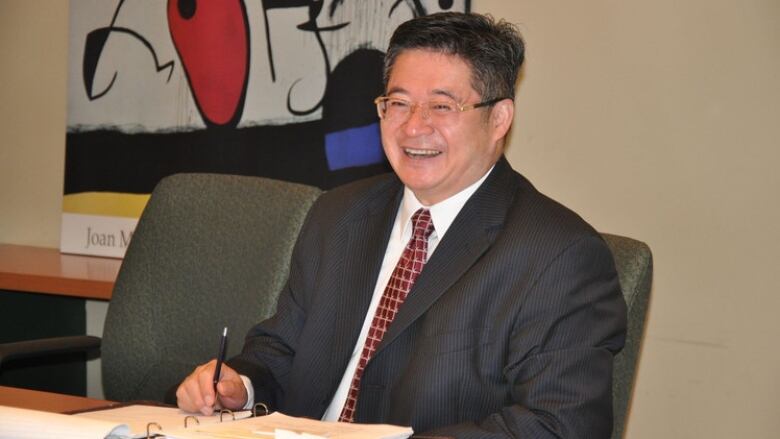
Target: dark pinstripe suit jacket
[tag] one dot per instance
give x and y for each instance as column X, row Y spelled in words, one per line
column 509, row 331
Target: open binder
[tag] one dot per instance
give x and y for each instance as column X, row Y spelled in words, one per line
column 141, row 421
column 145, row 421
column 123, row 422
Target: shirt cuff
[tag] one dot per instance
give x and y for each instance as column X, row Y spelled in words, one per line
column 250, row 393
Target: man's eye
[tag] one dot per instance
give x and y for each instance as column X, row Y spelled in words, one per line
column 442, row 107
column 397, row 104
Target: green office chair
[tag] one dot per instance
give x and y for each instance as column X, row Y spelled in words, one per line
column 209, row 251
column 634, row 264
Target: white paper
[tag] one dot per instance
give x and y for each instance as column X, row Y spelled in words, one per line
column 277, row 425
column 131, row 421
column 137, row 417
column 16, row 423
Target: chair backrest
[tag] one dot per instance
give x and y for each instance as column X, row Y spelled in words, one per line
column 209, row 251
column 634, row 263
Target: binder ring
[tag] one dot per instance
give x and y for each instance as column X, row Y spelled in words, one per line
column 259, row 404
column 148, row 428
column 223, row 411
column 186, row 418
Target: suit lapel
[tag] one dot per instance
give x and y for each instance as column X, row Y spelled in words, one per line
column 364, row 251
column 470, row 235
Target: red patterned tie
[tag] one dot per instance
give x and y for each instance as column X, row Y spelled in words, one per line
column 405, row 273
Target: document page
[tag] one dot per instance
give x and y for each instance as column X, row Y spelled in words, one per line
column 16, row 423
column 277, row 425
column 137, row 417
column 131, row 422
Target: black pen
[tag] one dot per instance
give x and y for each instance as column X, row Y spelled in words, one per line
column 220, row 359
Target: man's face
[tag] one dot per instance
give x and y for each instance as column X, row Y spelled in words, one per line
column 435, row 158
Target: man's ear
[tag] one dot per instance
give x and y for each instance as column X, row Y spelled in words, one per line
column 501, row 118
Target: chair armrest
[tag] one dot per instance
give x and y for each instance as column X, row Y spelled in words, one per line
column 47, row 346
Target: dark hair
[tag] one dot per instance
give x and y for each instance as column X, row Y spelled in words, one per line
column 493, row 49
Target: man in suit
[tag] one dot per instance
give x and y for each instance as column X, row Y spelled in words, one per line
column 451, row 295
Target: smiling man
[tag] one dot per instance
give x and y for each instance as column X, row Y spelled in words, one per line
column 435, row 145
column 451, row 295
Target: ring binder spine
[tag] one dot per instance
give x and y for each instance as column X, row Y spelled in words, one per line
column 148, row 429
column 226, row 411
column 260, row 404
column 186, row 418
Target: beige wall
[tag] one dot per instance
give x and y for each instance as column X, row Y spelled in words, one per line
column 654, row 119
column 33, row 46
column 661, row 120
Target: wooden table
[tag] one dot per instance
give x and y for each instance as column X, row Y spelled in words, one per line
column 47, row 401
column 43, row 294
column 47, row 271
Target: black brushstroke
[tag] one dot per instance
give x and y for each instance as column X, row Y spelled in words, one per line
column 93, row 50
column 112, row 161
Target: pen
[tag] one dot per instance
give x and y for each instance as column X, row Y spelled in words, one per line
column 220, row 359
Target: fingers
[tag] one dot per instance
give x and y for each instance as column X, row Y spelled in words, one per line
column 196, row 392
column 231, row 390
column 205, row 380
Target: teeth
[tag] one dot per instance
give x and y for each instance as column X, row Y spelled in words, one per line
column 421, row 152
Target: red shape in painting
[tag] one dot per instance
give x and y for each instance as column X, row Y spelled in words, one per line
column 212, row 39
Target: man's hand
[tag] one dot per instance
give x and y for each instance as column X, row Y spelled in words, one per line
column 196, row 392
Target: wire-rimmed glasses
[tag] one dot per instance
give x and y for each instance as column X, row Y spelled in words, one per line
column 394, row 109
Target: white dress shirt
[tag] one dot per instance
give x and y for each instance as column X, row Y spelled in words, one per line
column 442, row 215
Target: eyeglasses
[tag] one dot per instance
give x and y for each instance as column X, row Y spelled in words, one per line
column 399, row 110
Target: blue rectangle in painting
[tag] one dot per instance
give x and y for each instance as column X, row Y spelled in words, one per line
column 359, row 146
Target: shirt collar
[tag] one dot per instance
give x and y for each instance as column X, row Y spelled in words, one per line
column 443, row 213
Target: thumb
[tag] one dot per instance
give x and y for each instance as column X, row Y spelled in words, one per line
column 232, row 393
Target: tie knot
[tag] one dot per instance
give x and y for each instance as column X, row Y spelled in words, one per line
column 422, row 224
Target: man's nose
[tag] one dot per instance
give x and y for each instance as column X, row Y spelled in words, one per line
column 418, row 120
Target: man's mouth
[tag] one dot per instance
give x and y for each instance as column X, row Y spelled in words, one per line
column 421, row 153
